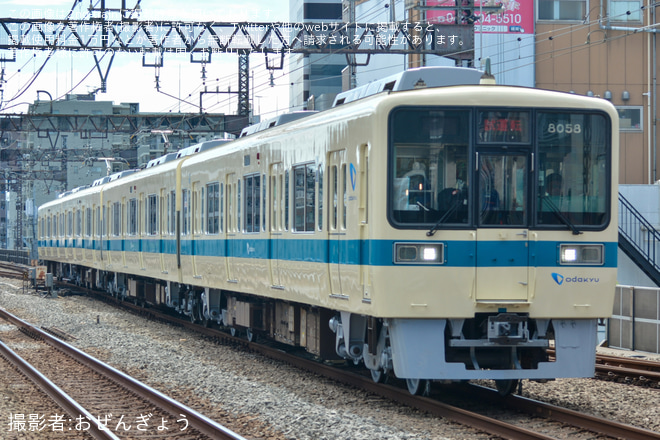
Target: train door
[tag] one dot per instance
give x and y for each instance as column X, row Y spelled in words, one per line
column 196, row 221
column 337, row 198
column 232, row 229
column 140, row 230
column 276, row 204
column 502, row 233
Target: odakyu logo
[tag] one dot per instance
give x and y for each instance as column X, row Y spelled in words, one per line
column 560, row 279
column 353, row 172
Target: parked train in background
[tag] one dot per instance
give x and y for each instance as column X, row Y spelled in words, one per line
column 432, row 233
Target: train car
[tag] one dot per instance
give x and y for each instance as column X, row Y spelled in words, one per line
column 431, row 233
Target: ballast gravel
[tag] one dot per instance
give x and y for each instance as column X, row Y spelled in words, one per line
column 263, row 399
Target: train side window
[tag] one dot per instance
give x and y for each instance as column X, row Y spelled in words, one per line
column 221, row 205
column 140, row 224
column 213, row 208
column 285, row 208
column 69, row 224
column 230, row 207
column 305, row 197
column 152, row 214
column 238, row 204
column 78, row 222
column 132, row 216
column 185, row 211
column 334, row 186
column 320, row 197
column 194, row 210
column 116, row 219
column 274, row 220
column 263, row 203
column 252, row 205
column 104, row 222
column 202, row 217
column 99, row 221
column 171, row 200
column 344, row 196
column 88, row 222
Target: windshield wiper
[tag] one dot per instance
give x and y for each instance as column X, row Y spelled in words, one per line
column 555, row 210
column 452, row 209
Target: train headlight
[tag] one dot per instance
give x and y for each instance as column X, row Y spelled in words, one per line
column 588, row 254
column 419, row 253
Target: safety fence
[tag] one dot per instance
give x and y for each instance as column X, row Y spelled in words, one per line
column 635, row 322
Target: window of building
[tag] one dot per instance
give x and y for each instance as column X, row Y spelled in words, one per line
column 625, row 10
column 562, row 9
column 631, row 118
column 304, row 177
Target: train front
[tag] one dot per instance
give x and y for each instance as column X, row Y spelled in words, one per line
column 506, row 237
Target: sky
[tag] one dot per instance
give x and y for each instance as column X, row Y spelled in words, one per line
column 180, row 81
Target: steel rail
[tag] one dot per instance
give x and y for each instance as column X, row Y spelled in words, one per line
column 564, row 415
column 196, row 420
column 62, row 399
column 589, row 422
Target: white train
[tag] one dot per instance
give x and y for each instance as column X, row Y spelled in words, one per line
column 434, row 233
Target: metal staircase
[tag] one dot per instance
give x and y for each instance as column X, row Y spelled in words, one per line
column 639, row 239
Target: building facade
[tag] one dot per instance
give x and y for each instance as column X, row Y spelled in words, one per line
column 606, row 48
column 318, row 76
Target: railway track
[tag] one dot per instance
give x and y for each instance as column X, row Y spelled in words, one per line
column 98, row 399
column 603, row 427
column 11, row 270
column 628, row 367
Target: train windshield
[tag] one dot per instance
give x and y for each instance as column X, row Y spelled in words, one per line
column 547, row 169
column 429, row 169
column 573, row 177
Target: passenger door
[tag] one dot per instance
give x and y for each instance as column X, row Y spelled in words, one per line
column 337, row 198
column 276, row 204
column 502, row 232
column 232, row 229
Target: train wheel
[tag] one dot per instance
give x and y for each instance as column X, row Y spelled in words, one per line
column 378, row 376
column 232, row 331
column 249, row 334
column 506, row 387
column 417, row 387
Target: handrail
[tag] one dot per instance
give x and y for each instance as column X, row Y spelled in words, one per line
column 638, row 239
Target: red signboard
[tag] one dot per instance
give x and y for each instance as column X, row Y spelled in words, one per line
column 517, row 16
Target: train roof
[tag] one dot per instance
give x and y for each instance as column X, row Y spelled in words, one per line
column 421, row 77
column 274, row 122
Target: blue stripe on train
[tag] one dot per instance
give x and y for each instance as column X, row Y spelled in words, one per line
column 371, row 252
